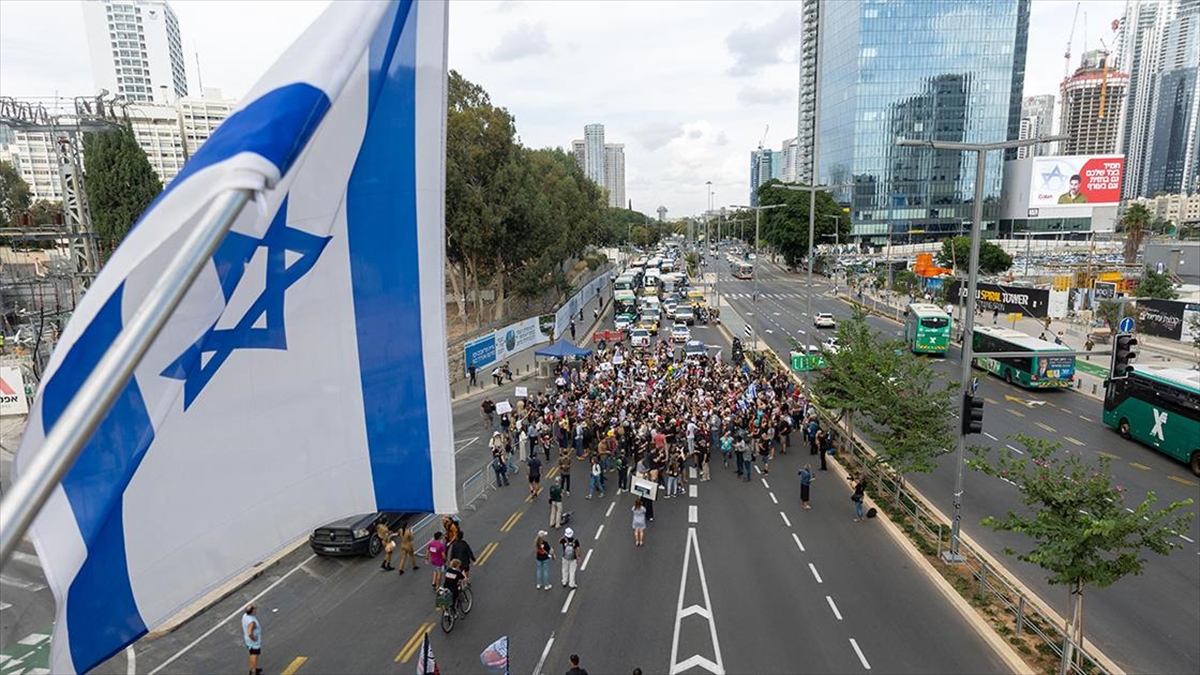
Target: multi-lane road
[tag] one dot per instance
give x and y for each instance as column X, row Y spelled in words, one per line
column 734, row 578
column 1149, row 623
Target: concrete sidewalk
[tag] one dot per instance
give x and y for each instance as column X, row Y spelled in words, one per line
column 524, row 364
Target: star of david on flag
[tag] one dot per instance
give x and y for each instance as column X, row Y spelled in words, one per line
column 302, row 377
column 197, row 365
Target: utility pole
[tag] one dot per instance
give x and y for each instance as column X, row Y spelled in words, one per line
column 757, row 224
column 89, row 114
column 980, row 149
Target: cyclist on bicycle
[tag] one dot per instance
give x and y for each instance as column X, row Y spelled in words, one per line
column 451, row 581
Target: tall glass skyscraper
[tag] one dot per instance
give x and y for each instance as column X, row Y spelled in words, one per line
column 921, row 69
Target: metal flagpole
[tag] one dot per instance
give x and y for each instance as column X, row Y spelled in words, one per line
column 95, row 397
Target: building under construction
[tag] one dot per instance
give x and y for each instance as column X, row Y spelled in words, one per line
column 1091, row 107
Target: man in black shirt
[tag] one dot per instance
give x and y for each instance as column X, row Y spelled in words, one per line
column 575, row 669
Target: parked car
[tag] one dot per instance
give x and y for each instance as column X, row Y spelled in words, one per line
column 354, row 535
column 831, row 345
column 669, row 309
column 640, row 337
column 824, row 320
column 680, row 333
column 625, row 321
column 695, row 349
column 684, row 314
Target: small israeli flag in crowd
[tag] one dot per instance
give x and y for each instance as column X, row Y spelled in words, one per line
column 304, row 375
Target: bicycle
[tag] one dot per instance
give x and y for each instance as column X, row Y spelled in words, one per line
column 460, row 609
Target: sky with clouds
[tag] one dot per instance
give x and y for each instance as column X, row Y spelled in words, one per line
column 689, row 88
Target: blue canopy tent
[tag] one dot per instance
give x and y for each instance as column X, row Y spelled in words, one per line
column 563, row 349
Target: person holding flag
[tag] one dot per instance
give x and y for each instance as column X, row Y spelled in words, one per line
column 495, row 655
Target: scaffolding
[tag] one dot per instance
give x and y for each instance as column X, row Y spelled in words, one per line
column 45, row 268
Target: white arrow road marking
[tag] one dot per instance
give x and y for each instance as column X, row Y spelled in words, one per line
column 715, row 667
column 769, row 331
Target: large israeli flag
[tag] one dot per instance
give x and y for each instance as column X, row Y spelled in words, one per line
column 304, row 376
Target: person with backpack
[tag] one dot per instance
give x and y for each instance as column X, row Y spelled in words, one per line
column 860, row 489
column 570, row 557
column 595, row 485
column 500, row 466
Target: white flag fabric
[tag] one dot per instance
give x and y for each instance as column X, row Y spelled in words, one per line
column 304, row 376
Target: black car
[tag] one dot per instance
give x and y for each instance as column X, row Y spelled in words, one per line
column 354, row 535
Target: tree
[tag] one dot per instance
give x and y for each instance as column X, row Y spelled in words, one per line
column 1155, row 285
column 892, row 392
column 120, row 183
column 1135, row 223
column 1110, row 312
column 1081, row 533
column 957, row 251
column 14, row 194
column 906, row 282
column 786, row 229
column 45, row 212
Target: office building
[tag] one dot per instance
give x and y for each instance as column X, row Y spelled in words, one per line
column 810, row 11
column 614, row 174
column 1037, row 120
column 135, row 49
column 603, row 163
column 791, row 158
column 578, row 151
column 593, row 153
column 35, row 157
column 765, row 165
column 1177, row 209
column 930, row 70
column 1174, row 149
column 1091, row 106
column 1139, row 46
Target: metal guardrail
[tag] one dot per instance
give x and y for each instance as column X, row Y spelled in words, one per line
column 1027, row 616
column 474, row 487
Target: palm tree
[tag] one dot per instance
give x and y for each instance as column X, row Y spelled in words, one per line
column 1135, row 222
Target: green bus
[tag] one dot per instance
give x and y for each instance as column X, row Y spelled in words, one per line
column 927, row 328
column 1048, row 366
column 1159, row 407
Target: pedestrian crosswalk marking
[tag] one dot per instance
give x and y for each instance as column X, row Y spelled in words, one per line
column 33, row 639
column 6, row 580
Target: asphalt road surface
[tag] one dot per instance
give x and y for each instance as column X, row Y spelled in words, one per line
column 734, row 578
column 1149, row 623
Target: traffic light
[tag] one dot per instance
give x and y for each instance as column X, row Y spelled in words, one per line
column 972, row 414
column 1123, row 354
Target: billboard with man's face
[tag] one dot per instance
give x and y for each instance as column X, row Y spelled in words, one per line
column 1075, row 179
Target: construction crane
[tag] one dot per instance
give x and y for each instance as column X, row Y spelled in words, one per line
column 1103, row 82
column 1070, row 40
column 763, row 143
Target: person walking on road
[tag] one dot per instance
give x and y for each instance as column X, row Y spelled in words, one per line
column 471, row 374
column 564, row 470
column 435, row 557
column 639, row 522
column 252, row 635
column 825, row 448
column 595, row 484
column 407, row 554
column 535, row 477
column 806, row 479
column 556, row 497
column 385, row 536
column 543, row 552
column 570, row 559
column 860, row 490
column 499, row 465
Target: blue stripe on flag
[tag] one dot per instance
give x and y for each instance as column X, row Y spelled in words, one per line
column 100, row 602
column 381, row 212
column 276, row 125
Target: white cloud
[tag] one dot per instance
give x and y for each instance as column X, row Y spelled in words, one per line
column 525, row 40
column 754, row 47
column 752, row 95
column 654, row 135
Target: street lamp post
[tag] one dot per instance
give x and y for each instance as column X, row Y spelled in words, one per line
column 757, row 223
column 812, row 191
column 980, row 150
